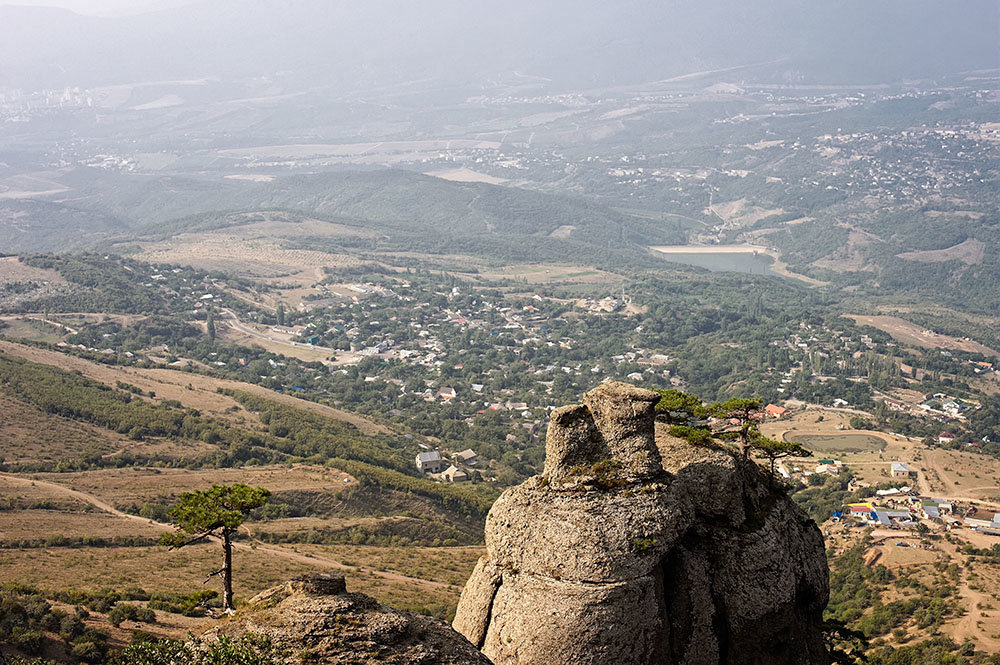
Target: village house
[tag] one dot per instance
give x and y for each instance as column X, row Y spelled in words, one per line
column 467, row 456
column 863, row 510
column 454, row 475
column 776, row 411
column 899, row 470
column 429, row 462
column 946, row 437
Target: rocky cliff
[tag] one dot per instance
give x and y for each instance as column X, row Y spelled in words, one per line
column 636, row 548
column 316, row 621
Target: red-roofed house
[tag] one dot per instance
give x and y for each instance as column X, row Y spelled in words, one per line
column 776, row 411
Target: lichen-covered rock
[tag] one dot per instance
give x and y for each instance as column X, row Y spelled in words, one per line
column 317, row 621
column 634, row 548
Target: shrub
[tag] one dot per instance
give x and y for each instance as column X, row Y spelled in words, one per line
column 126, row 612
column 28, row 641
column 247, row 650
column 90, row 652
column 70, row 627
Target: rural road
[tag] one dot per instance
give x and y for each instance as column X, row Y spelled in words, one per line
column 935, row 463
column 274, row 550
column 231, row 319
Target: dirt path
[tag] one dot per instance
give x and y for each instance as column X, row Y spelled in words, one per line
column 933, row 460
column 86, row 498
column 967, row 627
column 255, row 545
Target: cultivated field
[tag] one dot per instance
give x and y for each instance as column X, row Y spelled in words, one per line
column 153, row 568
column 260, row 258
column 41, row 524
column 466, row 175
column 382, row 148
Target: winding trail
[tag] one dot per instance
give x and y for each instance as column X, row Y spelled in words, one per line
column 933, row 460
column 967, row 627
column 255, row 545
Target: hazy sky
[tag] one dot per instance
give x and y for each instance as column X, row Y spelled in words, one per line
column 103, row 7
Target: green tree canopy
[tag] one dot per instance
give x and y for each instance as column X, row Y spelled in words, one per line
column 679, row 408
column 216, row 512
column 743, row 411
column 773, row 450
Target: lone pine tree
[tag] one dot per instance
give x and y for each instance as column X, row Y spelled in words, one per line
column 215, row 513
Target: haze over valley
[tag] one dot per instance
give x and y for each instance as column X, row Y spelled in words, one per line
column 360, row 254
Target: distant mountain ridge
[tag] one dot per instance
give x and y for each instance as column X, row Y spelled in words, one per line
column 356, row 46
column 407, row 208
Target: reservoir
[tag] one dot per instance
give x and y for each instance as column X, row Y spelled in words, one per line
column 717, row 258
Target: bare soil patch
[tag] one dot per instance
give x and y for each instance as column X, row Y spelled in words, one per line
column 301, row 351
column 547, row 273
column 564, row 231
column 959, row 474
column 466, row 175
column 910, row 333
column 896, row 556
column 12, row 270
column 741, row 213
column 970, row 252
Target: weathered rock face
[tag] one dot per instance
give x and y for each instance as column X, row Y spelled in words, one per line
column 636, row 548
column 317, row 621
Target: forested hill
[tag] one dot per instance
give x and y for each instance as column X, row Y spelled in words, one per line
column 408, row 210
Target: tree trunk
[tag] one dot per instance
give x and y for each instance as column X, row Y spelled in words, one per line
column 227, row 571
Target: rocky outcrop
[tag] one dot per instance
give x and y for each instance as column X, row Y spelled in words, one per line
column 633, row 547
column 317, row 621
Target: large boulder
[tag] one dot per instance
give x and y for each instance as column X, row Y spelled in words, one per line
column 315, row 620
column 636, row 548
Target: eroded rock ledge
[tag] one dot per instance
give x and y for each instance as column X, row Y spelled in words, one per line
column 317, row 621
column 636, row 548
